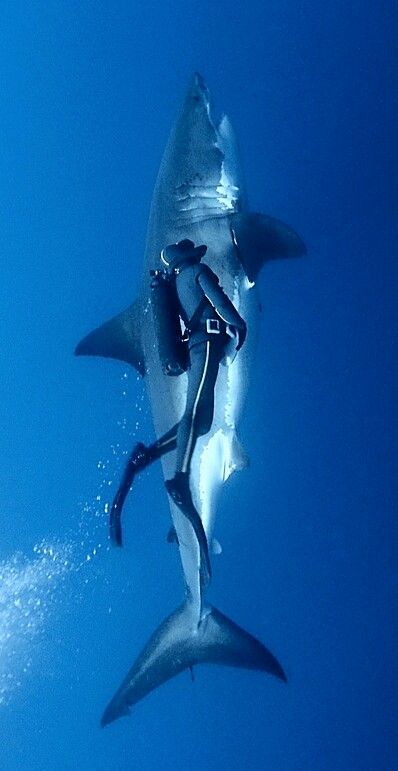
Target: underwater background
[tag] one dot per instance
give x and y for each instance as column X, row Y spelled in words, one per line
column 89, row 92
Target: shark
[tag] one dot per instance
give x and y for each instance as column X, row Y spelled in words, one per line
column 199, row 194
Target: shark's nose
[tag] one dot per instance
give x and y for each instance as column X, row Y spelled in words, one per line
column 199, row 90
column 199, row 81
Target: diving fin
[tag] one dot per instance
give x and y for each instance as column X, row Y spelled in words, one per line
column 172, row 537
column 259, row 238
column 118, row 338
column 141, row 456
column 179, row 490
column 180, row 643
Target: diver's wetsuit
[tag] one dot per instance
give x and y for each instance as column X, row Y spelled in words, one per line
column 206, row 311
column 211, row 320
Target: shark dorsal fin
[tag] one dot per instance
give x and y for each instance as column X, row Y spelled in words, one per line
column 259, row 238
column 119, row 338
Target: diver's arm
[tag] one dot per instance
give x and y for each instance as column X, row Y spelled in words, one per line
column 209, row 283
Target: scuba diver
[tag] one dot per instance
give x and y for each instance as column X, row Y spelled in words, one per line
column 210, row 321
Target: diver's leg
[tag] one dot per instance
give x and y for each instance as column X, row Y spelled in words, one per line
column 199, row 410
column 198, row 415
column 140, row 458
column 179, row 490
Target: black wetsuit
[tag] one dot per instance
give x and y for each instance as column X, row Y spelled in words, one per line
column 206, row 312
column 210, row 319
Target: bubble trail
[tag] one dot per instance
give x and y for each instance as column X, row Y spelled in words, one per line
column 30, row 584
column 28, row 593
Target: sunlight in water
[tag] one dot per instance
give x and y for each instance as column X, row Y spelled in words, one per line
column 30, row 585
column 28, row 588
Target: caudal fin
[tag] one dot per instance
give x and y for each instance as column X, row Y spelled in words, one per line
column 178, row 644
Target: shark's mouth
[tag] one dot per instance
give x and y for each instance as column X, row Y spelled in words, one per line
column 197, row 201
column 228, row 193
column 213, row 187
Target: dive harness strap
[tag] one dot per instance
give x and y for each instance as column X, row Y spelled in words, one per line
column 194, row 321
column 214, row 326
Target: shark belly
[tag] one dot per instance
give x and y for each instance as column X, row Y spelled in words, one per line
column 217, row 453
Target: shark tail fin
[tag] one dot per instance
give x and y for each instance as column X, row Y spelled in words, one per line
column 119, row 338
column 180, row 643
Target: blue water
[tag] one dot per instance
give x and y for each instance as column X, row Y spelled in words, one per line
column 89, row 92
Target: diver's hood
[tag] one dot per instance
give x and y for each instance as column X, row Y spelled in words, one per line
column 175, row 254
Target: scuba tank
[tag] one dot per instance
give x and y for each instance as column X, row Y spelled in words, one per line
column 173, row 350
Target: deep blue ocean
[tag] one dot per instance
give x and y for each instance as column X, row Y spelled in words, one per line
column 89, row 92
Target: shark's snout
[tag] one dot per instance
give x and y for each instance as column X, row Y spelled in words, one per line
column 199, row 82
column 198, row 91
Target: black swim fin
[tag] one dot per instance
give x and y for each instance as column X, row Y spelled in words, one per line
column 139, row 459
column 179, row 490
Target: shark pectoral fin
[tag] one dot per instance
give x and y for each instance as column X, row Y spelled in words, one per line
column 180, row 643
column 259, row 238
column 119, row 338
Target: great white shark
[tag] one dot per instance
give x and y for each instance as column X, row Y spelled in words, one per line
column 200, row 195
